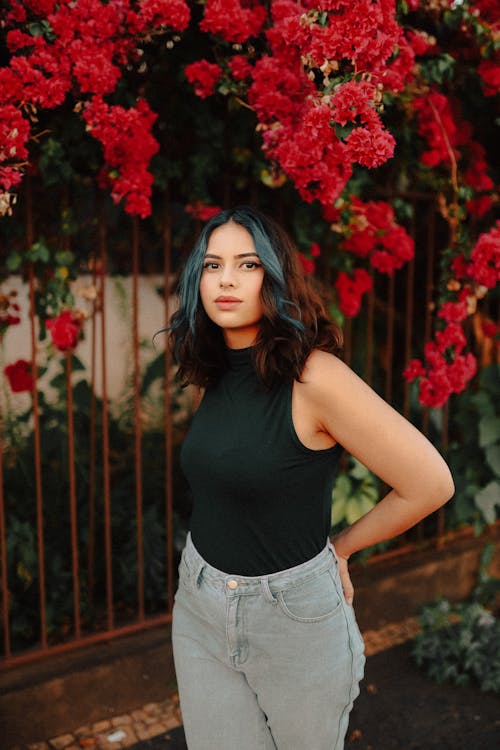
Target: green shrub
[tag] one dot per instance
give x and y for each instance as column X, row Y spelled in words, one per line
column 460, row 643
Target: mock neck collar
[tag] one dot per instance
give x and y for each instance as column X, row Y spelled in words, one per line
column 239, row 358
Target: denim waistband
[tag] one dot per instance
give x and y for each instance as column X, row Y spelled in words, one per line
column 270, row 583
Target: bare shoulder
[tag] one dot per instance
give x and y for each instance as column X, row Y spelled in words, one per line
column 326, row 375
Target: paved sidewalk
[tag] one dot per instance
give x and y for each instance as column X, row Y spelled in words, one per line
column 155, row 719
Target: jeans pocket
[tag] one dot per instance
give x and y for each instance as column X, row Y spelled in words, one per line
column 312, row 599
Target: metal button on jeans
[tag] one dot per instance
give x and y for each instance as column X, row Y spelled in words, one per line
column 232, row 584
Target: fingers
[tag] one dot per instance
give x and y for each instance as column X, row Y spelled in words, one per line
column 345, row 579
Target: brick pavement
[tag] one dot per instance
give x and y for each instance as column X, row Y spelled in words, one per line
column 154, row 719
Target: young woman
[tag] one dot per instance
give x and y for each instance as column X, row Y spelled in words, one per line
column 267, row 652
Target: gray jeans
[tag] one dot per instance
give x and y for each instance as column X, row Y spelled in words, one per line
column 265, row 663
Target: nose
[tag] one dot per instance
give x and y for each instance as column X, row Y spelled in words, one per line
column 227, row 278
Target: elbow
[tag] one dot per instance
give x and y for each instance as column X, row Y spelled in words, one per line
column 445, row 487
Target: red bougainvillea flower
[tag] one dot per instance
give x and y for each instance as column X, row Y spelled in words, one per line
column 203, row 75
column 484, row 266
column 201, row 211
column 489, row 70
column 350, row 290
column 446, row 369
column 128, row 147
column 454, row 312
column 489, row 328
column 374, row 234
column 232, row 21
column 308, row 264
column 240, row 68
column 19, row 376
column 64, row 330
column 413, row 370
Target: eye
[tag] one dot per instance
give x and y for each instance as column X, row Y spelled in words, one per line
column 249, row 265
column 210, row 265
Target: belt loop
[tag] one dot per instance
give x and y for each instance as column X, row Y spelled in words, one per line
column 267, row 591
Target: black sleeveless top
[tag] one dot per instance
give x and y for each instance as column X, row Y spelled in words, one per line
column 261, row 499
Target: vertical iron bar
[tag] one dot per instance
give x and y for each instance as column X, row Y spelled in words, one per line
column 3, row 552
column 105, row 426
column 36, row 424
column 137, row 418
column 429, row 289
column 92, row 450
column 410, row 303
column 72, row 498
column 167, row 247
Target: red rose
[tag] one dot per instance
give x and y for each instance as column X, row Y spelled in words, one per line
column 308, row 265
column 64, row 330
column 19, row 376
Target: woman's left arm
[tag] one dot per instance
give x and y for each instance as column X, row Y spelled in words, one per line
column 387, row 444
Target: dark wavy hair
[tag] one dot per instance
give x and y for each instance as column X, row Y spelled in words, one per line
column 294, row 320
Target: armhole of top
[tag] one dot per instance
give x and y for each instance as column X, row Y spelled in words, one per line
column 298, row 442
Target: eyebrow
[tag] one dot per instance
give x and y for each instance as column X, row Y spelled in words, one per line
column 240, row 255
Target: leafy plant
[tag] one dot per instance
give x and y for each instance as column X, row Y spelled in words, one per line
column 474, row 453
column 23, row 573
column 355, row 493
column 459, row 642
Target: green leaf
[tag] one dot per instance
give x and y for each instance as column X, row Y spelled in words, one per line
column 338, row 511
column 65, row 257
column 343, row 488
column 489, row 430
column 359, row 471
column 493, row 458
column 490, row 379
column 39, row 251
column 14, row 261
column 487, row 499
column 354, row 510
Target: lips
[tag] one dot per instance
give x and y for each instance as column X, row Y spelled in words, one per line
column 227, row 303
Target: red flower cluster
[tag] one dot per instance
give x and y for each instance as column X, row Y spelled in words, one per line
column 65, row 330
column 489, row 71
column 456, row 312
column 350, row 290
column 297, row 115
column 14, row 134
column 483, row 268
column 240, row 68
column 374, row 234
column 90, row 42
column 203, row 75
column 447, row 370
column 232, row 21
column 19, row 376
column 308, row 264
column 128, row 147
column 201, row 211
column 440, row 127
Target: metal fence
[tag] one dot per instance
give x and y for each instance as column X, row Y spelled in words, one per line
column 396, row 315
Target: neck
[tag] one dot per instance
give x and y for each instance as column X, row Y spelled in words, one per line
column 238, row 338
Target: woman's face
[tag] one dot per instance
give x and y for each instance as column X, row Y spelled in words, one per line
column 231, row 283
